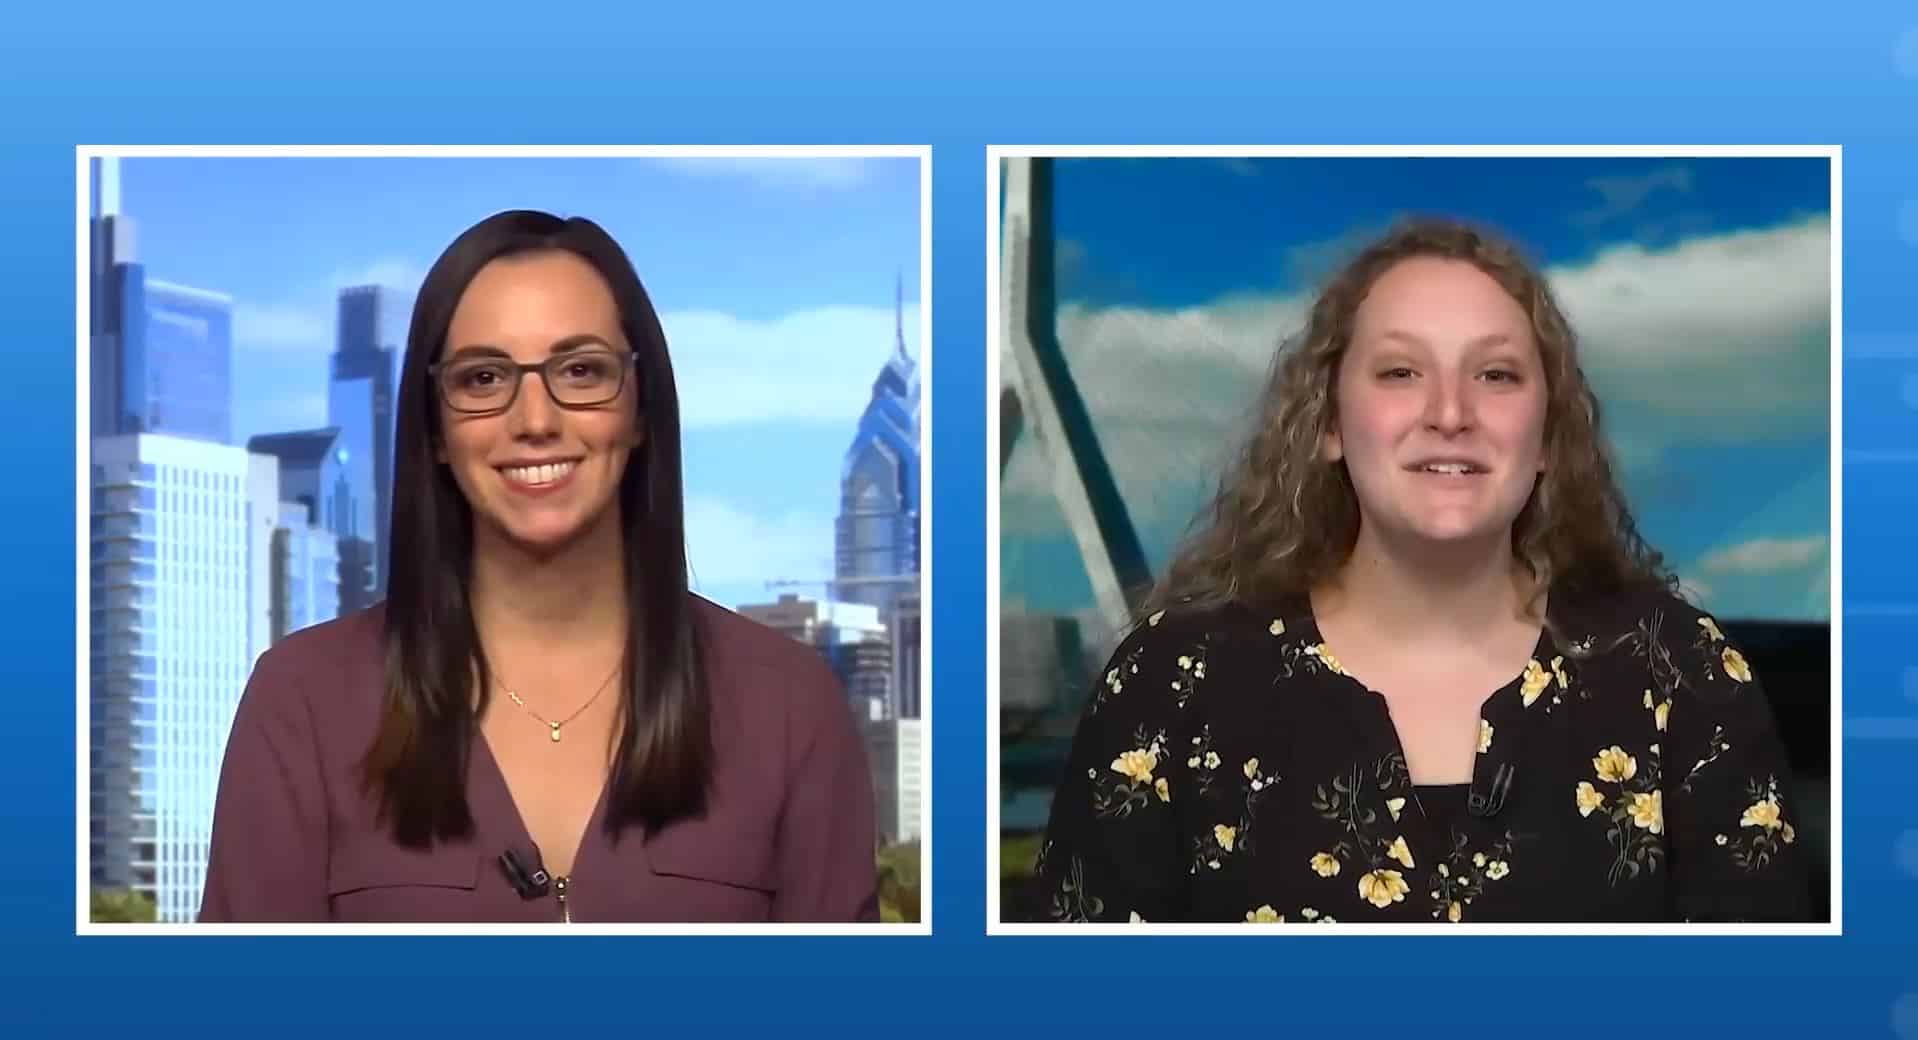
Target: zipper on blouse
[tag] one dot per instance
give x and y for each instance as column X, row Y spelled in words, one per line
column 560, row 885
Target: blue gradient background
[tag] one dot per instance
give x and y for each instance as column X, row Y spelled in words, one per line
column 363, row 73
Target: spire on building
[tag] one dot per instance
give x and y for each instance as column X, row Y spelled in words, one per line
column 899, row 316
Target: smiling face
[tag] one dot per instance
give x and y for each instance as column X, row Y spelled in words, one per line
column 537, row 474
column 1441, row 405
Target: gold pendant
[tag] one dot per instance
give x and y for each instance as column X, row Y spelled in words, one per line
column 555, row 734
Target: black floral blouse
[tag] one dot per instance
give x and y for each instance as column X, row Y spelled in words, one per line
column 1227, row 769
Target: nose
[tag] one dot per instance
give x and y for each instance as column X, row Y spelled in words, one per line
column 533, row 416
column 1448, row 406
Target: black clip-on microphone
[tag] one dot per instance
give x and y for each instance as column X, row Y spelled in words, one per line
column 530, row 880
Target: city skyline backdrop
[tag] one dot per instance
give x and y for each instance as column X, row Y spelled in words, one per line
column 240, row 426
column 752, row 264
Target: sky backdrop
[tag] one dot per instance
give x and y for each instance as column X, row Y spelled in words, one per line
column 1700, row 290
column 774, row 279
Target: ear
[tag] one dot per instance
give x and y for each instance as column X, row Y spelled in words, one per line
column 1331, row 446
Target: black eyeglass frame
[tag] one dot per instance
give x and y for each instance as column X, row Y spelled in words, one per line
column 626, row 360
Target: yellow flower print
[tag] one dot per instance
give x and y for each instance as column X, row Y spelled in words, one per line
column 1497, row 869
column 1614, row 765
column 1558, row 672
column 1137, row 765
column 1324, row 654
column 1720, row 840
column 1399, row 852
column 1788, row 834
column 1648, row 811
column 1478, row 859
column 1225, row 835
column 1154, row 619
column 1762, row 814
column 1192, row 763
column 1395, row 806
column 1711, row 629
column 1535, row 682
column 1325, row 864
column 1163, row 790
column 1484, row 736
column 1264, row 915
column 1454, row 912
column 1212, row 760
column 1277, row 627
column 1648, row 700
column 1309, row 914
column 1735, row 665
column 1445, row 871
column 1185, row 663
column 1660, row 714
column 1382, row 888
column 1251, row 768
column 1589, row 798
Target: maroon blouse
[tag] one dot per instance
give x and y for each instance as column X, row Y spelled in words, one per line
column 788, row 834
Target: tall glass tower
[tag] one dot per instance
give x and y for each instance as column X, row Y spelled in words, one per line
column 371, row 341
column 181, row 606
column 877, row 534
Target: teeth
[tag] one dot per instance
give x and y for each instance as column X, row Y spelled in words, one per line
column 537, row 475
column 1449, row 467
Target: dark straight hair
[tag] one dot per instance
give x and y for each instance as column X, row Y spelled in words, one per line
column 437, row 676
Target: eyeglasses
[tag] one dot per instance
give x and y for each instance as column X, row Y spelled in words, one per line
column 576, row 379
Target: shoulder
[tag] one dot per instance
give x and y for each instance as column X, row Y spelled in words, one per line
column 1680, row 644
column 1182, row 627
column 342, row 654
column 756, row 674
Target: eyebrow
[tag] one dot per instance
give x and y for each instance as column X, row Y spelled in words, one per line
column 577, row 341
column 1494, row 339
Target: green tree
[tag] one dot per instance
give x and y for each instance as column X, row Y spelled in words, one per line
column 899, row 883
column 121, row 906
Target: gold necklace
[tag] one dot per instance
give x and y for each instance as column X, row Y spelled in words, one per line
column 554, row 727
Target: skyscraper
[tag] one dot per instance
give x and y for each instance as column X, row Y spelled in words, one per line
column 306, row 572
column 115, row 290
column 877, row 533
column 181, row 606
column 371, row 342
column 849, row 636
column 313, row 472
column 904, row 627
column 161, row 354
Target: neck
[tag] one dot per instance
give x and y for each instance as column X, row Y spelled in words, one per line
column 532, row 604
column 1419, row 594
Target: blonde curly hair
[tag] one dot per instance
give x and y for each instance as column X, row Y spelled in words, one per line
column 1285, row 519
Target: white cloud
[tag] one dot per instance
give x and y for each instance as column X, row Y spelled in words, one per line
column 281, row 328
column 727, row 546
column 780, row 173
column 812, row 364
column 1765, row 555
column 1722, row 336
column 1729, row 332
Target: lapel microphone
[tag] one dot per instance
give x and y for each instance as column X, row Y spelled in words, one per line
column 525, row 874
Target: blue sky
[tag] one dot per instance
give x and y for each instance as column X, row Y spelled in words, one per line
column 774, row 279
column 1700, row 290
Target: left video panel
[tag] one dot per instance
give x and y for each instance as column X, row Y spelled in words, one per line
column 502, row 540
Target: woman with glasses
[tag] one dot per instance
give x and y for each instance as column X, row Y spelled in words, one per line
column 540, row 723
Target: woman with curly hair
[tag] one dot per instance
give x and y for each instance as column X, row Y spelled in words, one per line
column 1415, row 663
